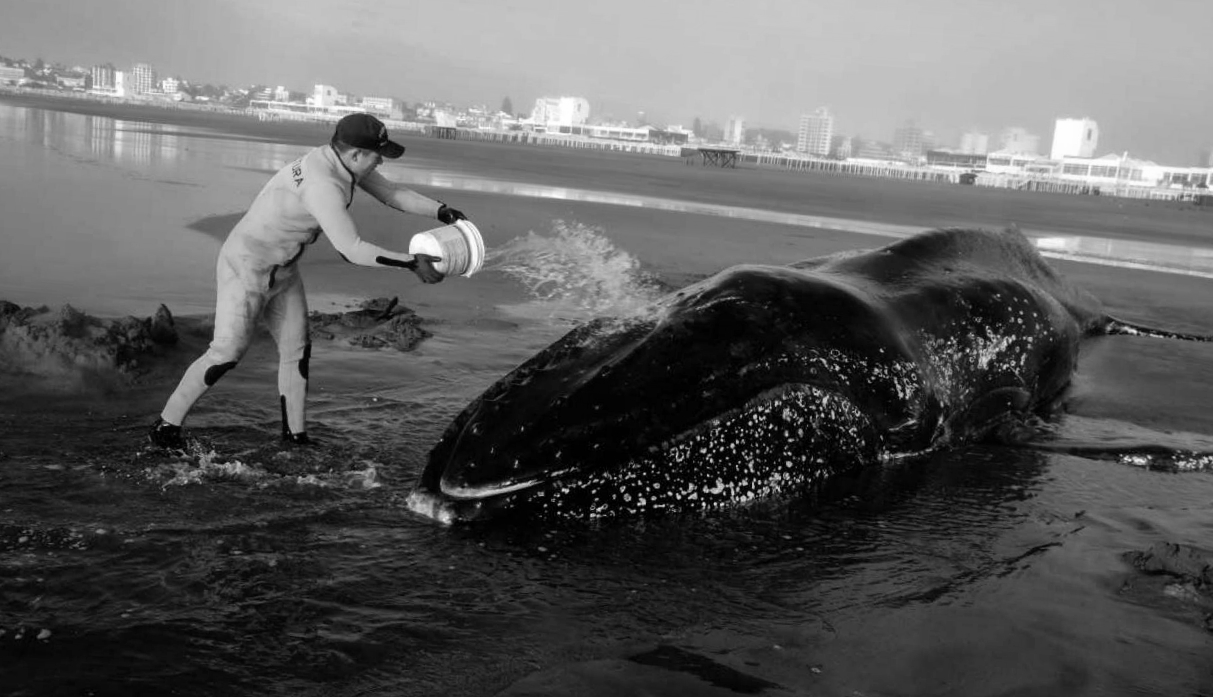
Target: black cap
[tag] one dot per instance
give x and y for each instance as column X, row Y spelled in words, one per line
column 367, row 132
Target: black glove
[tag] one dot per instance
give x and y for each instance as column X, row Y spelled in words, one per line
column 448, row 215
column 423, row 266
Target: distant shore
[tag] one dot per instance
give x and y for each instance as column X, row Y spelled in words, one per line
column 894, row 201
column 289, row 132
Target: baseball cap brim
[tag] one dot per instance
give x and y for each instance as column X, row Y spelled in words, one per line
column 391, row 150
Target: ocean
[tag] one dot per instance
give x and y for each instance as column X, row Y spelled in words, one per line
column 250, row 569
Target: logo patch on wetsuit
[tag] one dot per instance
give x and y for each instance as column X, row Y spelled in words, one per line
column 297, row 172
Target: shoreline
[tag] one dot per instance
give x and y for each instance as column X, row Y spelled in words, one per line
column 665, row 240
column 287, row 132
column 876, row 200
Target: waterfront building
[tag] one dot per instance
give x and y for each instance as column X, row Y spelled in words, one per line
column 552, row 112
column 142, row 79
column 735, row 130
column 103, row 78
column 864, row 149
column 974, row 143
column 954, row 159
column 383, row 106
column 323, row 96
column 1019, row 163
column 170, row 85
column 1015, row 139
column 109, row 82
column 911, row 142
column 1186, row 177
column 1074, row 138
column 815, row 132
column 841, row 147
column 72, row 82
column 1108, row 169
column 1123, row 171
column 11, row 76
column 610, row 132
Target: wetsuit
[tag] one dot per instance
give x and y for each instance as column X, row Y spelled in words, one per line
column 257, row 272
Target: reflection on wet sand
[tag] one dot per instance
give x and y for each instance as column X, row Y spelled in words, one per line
column 1189, row 261
column 142, row 147
column 135, row 145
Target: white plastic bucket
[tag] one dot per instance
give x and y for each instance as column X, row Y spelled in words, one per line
column 460, row 245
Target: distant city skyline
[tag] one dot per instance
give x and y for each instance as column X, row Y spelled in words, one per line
column 949, row 67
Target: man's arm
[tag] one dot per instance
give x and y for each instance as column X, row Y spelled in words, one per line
column 327, row 203
column 398, row 196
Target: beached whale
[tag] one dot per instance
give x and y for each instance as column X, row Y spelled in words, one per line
column 763, row 381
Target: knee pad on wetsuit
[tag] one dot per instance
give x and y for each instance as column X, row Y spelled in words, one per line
column 304, row 360
column 217, row 371
column 223, row 357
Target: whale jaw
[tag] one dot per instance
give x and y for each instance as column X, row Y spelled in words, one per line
column 786, row 440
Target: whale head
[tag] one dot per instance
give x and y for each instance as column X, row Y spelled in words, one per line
column 733, row 389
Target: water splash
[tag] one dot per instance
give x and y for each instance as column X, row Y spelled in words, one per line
column 202, row 465
column 576, row 271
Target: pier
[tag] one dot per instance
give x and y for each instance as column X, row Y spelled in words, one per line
column 719, row 157
column 886, row 170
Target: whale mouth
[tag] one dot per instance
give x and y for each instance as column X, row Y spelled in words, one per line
column 433, row 506
column 792, row 405
column 488, row 491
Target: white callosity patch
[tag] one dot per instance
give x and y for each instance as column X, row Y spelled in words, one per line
column 971, row 355
column 896, row 382
column 782, row 442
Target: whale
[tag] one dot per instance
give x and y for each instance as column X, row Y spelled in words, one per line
column 763, row 382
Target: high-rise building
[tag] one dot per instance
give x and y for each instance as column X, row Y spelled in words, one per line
column 841, row 147
column 1074, row 138
column 735, row 130
column 1017, row 140
column 142, row 79
column 909, row 141
column 815, row 132
column 103, row 78
column 871, row 150
column 974, row 143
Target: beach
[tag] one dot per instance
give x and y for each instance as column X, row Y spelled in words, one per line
column 247, row 569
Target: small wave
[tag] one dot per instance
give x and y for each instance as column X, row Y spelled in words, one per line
column 577, row 271
column 1127, row 444
column 200, row 466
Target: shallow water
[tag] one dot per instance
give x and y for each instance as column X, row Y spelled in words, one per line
column 248, row 569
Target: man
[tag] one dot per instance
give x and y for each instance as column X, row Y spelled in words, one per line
column 257, row 274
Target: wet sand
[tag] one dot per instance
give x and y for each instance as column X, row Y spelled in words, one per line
column 986, row 571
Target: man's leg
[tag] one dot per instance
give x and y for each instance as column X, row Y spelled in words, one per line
column 236, row 311
column 287, row 318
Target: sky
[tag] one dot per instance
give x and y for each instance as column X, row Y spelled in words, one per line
column 1142, row 70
